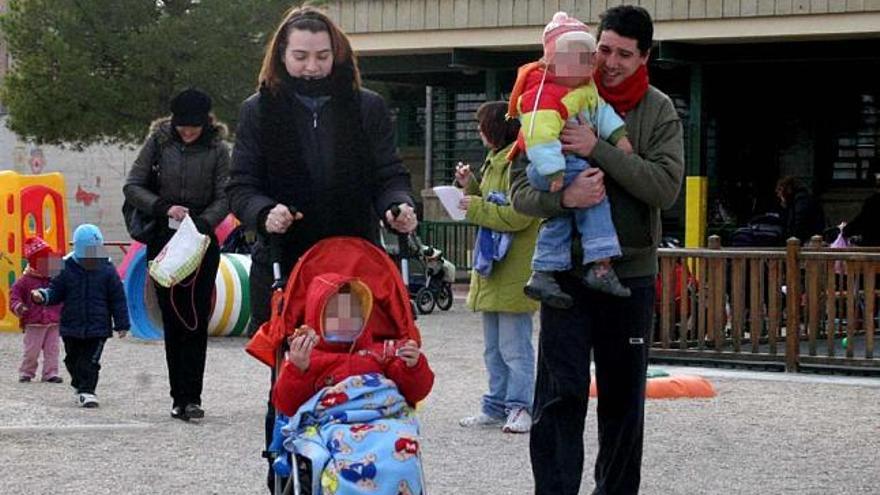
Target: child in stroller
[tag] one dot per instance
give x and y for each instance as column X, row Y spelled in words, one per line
column 353, row 373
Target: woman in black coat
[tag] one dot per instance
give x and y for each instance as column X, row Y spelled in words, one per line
column 314, row 155
column 181, row 170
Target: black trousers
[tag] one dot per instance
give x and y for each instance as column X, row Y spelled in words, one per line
column 83, row 361
column 186, row 310
column 617, row 333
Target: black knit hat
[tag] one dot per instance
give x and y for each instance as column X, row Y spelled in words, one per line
column 190, row 108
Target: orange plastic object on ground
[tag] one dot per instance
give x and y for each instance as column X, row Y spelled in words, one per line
column 674, row 387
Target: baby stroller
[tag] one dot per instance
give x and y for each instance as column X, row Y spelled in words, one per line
column 427, row 274
column 390, row 319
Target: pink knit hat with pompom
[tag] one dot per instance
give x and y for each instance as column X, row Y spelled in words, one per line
column 559, row 25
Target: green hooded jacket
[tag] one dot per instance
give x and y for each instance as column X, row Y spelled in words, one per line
column 502, row 290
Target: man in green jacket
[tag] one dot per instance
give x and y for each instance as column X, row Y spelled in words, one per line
column 616, row 330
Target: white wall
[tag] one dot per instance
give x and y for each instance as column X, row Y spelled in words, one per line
column 93, row 178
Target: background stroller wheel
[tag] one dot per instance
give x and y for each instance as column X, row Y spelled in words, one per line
column 425, row 301
column 444, row 297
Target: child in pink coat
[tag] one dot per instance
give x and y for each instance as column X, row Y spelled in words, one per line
column 39, row 323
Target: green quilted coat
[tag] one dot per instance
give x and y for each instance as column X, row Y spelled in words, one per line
column 502, row 290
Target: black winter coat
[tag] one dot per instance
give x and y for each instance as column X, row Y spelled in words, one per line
column 94, row 300
column 191, row 175
column 250, row 186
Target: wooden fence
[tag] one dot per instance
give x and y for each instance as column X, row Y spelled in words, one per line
column 738, row 305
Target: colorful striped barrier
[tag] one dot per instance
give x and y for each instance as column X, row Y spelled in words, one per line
column 231, row 302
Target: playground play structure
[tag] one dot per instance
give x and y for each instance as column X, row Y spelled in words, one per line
column 32, row 205
column 35, row 205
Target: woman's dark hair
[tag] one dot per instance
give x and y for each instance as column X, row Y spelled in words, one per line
column 629, row 21
column 788, row 186
column 493, row 122
column 310, row 19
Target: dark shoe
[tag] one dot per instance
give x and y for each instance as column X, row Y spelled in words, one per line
column 542, row 287
column 24, row 379
column 194, row 411
column 178, row 412
column 605, row 280
column 55, row 379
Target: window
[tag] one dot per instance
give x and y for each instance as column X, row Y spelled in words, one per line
column 855, row 150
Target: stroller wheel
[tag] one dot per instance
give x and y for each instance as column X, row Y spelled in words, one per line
column 425, row 301
column 444, row 297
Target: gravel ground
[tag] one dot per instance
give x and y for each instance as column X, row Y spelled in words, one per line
column 765, row 433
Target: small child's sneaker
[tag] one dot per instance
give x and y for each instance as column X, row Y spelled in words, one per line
column 54, row 379
column 24, row 379
column 518, row 421
column 88, row 401
column 480, row 420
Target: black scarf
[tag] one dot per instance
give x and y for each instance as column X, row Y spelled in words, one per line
column 342, row 207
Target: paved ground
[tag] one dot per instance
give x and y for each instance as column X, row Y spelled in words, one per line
column 764, row 433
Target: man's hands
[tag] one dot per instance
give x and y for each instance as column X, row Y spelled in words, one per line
column 301, row 344
column 409, row 353
column 587, row 189
column 578, row 138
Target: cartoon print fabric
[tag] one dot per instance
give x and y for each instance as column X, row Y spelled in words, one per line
column 361, row 437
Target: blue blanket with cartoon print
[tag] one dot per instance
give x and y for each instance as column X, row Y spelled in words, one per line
column 361, row 437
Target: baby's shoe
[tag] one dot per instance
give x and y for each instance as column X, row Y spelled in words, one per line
column 603, row 278
column 542, row 287
column 24, row 379
column 54, row 379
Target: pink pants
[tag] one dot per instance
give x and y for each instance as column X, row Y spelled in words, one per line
column 40, row 338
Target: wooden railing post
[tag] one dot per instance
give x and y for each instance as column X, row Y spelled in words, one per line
column 792, row 304
column 716, row 296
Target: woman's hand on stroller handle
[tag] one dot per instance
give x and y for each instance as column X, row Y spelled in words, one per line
column 401, row 218
column 280, row 218
column 409, row 353
column 301, row 344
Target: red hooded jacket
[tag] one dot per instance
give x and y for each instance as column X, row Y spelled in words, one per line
column 330, row 363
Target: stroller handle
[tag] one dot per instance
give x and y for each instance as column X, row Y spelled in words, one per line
column 402, row 239
column 275, row 253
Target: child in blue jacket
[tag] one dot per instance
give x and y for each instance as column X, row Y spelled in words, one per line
column 94, row 299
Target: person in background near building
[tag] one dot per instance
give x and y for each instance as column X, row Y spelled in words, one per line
column 192, row 163
column 614, row 330
column 866, row 224
column 802, row 215
column 39, row 323
column 496, row 289
column 312, row 139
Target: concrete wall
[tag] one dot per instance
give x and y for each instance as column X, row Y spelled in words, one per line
column 93, row 177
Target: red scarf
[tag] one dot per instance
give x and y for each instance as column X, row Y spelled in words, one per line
column 626, row 95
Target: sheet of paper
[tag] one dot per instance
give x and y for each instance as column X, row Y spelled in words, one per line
column 449, row 197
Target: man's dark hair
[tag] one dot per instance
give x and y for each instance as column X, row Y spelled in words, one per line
column 629, row 21
column 498, row 129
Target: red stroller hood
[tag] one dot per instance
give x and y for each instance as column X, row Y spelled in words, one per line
column 391, row 316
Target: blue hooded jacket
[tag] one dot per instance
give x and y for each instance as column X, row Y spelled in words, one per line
column 94, row 299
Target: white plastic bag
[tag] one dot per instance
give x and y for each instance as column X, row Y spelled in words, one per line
column 181, row 256
column 840, row 243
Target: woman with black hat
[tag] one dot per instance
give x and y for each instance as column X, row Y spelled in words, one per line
column 181, row 170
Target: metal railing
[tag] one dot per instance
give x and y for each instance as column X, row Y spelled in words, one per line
column 455, row 239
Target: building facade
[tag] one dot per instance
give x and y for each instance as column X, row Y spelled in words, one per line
column 765, row 88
